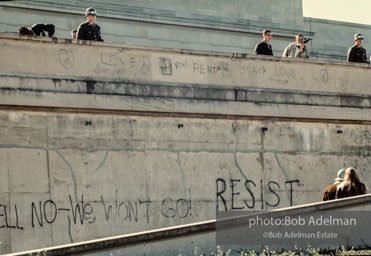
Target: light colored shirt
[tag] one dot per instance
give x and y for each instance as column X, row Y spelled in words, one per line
column 293, row 51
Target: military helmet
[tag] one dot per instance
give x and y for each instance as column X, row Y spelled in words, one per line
column 90, row 11
column 358, row 36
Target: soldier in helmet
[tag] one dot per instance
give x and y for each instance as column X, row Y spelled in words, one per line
column 357, row 53
column 89, row 30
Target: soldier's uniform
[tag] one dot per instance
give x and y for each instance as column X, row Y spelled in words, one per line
column 357, row 53
column 87, row 31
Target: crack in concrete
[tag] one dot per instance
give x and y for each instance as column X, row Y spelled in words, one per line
column 285, row 174
column 261, row 157
column 103, row 162
column 71, row 172
column 69, row 228
column 47, row 151
column 181, row 173
column 280, row 166
column 235, row 152
column 147, row 193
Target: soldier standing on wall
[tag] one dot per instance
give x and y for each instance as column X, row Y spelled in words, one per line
column 89, row 30
column 264, row 48
column 357, row 53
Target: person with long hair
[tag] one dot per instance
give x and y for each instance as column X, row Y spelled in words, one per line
column 351, row 185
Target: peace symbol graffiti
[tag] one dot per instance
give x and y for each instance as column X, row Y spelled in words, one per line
column 144, row 65
column 66, row 58
column 324, row 75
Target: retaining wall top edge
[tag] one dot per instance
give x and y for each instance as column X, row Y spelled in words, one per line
column 63, row 41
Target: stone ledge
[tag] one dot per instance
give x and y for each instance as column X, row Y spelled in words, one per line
column 26, row 98
column 182, row 91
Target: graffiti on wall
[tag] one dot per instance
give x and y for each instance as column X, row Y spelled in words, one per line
column 197, row 68
column 89, row 211
column 128, row 64
column 237, row 194
column 233, row 194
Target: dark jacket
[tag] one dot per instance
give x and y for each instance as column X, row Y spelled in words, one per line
column 357, row 54
column 263, row 48
column 87, row 31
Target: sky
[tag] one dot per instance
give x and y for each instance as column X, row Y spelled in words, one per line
column 356, row 11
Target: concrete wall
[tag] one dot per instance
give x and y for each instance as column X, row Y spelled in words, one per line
column 220, row 26
column 70, row 177
column 100, row 140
